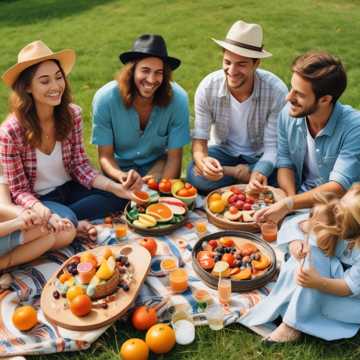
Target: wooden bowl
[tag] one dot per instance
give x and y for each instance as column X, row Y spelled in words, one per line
column 237, row 285
column 221, row 222
column 158, row 230
column 58, row 312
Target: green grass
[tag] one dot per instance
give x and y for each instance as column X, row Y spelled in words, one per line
column 100, row 29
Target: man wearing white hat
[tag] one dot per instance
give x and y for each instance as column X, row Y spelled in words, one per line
column 236, row 110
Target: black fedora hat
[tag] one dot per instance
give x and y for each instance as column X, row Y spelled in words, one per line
column 147, row 46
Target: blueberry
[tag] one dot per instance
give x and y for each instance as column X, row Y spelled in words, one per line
column 104, row 305
column 233, row 250
column 125, row 286
column 127, row 264
column 217, row 257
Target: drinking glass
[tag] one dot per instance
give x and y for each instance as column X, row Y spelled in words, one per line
column 224, row 291
column 269, row 231
column 120, row 229
column 215, row 316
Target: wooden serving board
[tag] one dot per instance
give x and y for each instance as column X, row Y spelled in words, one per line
column 56, row 311
column 221, row 222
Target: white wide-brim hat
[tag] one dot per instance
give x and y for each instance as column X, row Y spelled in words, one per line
column 35, row 53
column 245, row 39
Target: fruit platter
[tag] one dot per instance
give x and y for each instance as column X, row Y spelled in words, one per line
column 159, row 212
column 95, row 287
column 233, row 208
column 243, row 257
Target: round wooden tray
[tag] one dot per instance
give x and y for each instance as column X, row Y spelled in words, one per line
column 56, row 312
column 221, row 222
column 237, row 285
column 155, row 231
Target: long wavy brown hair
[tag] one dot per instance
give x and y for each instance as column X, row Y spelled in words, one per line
column 23, row 106
column 127, row 87
column 334, row 219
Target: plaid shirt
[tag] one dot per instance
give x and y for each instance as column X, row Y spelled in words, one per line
column 213, row 107
column 18, row 158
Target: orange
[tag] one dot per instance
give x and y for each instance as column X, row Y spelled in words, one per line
column 214, row 196
column 143, row 318
column 160, row 338
column 217, row 206
column 65, row 276
column 81, row 305
column 74, row 291
column 134, row 349
column 24, row 317
column 160, row 211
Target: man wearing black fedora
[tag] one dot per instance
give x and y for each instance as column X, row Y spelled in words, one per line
column 236, row 110
column 141, row 119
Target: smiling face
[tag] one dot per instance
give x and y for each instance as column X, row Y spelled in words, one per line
column 239, row 70
column 148, row 76
column 47, row 85
column 301, row 97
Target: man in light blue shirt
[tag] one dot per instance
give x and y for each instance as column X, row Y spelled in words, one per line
column 319, row 138
column 141, row 120
column 236, row 111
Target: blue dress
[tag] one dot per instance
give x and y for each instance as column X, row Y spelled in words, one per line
column 313, row 312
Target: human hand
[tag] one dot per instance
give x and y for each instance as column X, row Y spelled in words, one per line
column 274, row 213
column 210, row 168
column 42, row 211
column 257, row 183
column 28, row 219
column 297, row 249
column 131, row 180
column 58, row 224
column 309, row 278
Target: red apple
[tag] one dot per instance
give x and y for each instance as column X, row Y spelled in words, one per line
column 150, row 244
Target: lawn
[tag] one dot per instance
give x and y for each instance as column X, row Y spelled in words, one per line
column 100, row 29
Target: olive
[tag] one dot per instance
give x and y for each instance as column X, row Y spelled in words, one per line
column 104, row 305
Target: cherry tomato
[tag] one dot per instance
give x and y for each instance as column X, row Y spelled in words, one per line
column 239, row 204
column 165, row 186
column 152, row 184
column 233, row 209
column 241, row 197
column 250, row 199
column 213, row 244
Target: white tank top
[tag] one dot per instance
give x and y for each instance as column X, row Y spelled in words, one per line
column 50, row 170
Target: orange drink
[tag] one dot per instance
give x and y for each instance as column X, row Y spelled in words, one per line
column 202, row 298
column 201, row 228
column 178, row 280
column 168, row 264
column 120, row 229
column 269, row 231
column 224, row 291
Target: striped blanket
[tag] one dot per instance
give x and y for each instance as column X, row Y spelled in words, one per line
column 45, row 338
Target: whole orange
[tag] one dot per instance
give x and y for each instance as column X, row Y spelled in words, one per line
column 160, row 338
column 217, row 206
column 81, row 305
column 134, row 349
column 143, row 318
column 24, row 317
column 214, row 196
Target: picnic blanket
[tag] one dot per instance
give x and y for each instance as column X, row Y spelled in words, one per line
column 28, row 281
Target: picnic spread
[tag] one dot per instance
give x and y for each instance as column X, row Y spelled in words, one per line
column 175, row 277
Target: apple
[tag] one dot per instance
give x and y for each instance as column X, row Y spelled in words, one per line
column 150, row 244
column 233, row 199
column 241, row 197
column 240, row 205
column 247, row 206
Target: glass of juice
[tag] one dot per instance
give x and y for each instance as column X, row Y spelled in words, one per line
column 120, row 229
column 224, row 291
column 203, row 299
column 179, row 280
column 215, row 316
column 269, row 231
column 201, row 228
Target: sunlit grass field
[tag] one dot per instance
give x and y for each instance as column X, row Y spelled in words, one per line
column 100, row 30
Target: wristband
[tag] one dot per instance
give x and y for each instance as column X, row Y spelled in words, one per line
column 289, row 202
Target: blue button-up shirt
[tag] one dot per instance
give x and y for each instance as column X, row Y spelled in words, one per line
column 337, row 146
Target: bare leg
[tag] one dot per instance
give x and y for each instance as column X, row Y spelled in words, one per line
column 64, row 238
column 27, row 252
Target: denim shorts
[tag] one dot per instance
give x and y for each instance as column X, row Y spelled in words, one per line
column 10, row 242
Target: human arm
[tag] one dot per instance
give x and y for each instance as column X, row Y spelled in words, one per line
column 276, row 212
column 310, row 278
column 172, row 167
column 130, row 180
column 267, row 162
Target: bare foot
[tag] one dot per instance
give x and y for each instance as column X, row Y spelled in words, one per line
column 86, row 230
column 284, row 333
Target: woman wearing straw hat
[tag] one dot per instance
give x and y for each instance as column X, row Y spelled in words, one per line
column 41, row 144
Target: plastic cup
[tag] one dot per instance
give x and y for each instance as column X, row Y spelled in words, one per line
column 120, row 230
column 178, row 280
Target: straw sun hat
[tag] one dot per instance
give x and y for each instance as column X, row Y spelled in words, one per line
column 35, row 53
column 245, row 39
